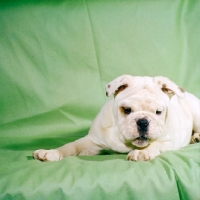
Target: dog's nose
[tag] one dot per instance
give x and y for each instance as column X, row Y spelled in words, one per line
column 142, row 124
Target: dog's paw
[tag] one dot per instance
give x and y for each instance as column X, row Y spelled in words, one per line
column 195, row 138
column 47, row 155
column 141, row 155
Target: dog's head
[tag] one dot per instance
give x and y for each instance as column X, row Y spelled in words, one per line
column 141, row 106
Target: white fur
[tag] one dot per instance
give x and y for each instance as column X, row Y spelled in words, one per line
column 113, row 129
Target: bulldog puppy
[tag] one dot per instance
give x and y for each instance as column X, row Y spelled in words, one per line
column 146, row 117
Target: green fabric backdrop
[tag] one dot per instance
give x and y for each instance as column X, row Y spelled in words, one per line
column 56, row 57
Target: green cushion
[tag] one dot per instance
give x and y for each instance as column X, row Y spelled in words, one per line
column 56, row 57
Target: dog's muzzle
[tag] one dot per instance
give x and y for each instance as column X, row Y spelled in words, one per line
column 142, row 126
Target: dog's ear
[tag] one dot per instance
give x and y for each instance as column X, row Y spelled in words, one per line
column 169, row 87
column 119, row 84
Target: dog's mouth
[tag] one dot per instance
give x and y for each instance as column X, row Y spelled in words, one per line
column 141, row 138
column 141, row 141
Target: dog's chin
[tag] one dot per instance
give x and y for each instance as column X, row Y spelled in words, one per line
column 141, row 142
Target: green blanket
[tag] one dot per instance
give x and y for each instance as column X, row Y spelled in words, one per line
column 56, row 57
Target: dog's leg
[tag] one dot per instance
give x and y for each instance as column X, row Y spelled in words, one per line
column 195, row 138
column 83, row 146
column 196, row 126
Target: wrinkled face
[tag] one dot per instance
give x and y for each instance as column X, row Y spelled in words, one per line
column 140, row 117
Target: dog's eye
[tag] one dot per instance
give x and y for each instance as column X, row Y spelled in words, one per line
column 158, row 112
column 127, row 111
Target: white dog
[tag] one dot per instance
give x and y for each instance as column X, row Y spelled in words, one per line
column 146, row 117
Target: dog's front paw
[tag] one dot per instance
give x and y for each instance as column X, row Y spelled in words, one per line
column 47, row 155
column 141, row 155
